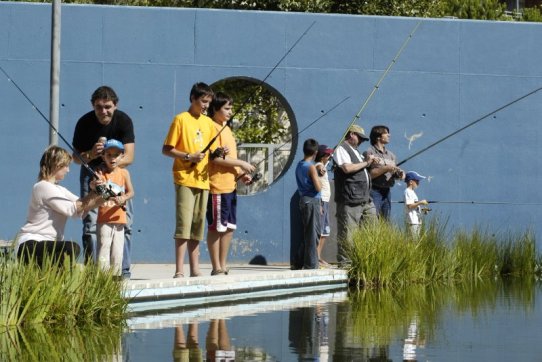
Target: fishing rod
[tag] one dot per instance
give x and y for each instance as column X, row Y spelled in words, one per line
column 257, row 175
column 470, row 124
column 479, row 202
column 105, row 192
column 245, row 102
column 377, row 85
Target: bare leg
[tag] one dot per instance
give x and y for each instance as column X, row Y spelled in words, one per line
column 180, row 250
column 193, row 256
column 213, row 244
column 180, row 341
column 225, row 240
column 320, row 248
column 223, row 337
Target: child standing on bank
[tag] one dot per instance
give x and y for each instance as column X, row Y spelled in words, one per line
column 412, row 205
column 322, row 159
column 223, row 175
column 112, row 214
column 189, row 133
column 308, row 187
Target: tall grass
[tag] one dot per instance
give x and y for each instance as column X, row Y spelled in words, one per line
column 41, row 343
column 385, row 255
column 58, row 294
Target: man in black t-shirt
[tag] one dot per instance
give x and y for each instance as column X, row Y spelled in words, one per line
column 105, row 121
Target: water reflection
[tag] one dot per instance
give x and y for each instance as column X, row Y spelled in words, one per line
column 38, row 343
column 308, row 333
column 478, row 321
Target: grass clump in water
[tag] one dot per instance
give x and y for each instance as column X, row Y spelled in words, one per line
column 58, row 294
column 385, row 255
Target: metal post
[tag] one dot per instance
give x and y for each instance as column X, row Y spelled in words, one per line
column 55, row 71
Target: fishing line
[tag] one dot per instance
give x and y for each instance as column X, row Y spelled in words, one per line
column 245, row 102
column 479, row 202
column 377, row 85
column 83, row 163
column 470, row 124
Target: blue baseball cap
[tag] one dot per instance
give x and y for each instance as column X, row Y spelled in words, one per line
column 413, row 175
column 112, row 143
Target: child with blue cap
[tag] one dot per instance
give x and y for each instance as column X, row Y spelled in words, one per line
column 412, row 205
column 112, row 214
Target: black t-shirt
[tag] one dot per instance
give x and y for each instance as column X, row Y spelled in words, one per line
column 88, row 130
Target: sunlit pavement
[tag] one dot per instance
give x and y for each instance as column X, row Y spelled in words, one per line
column 153, row 287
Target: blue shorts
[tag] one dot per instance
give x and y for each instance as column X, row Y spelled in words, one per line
column 326, row 229
column 222, row 212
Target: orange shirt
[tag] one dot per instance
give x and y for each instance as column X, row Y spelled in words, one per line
column 222, row 178
column 110, row 213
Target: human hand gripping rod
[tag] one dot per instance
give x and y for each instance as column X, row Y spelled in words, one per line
column 245, row 102
column 102, row 190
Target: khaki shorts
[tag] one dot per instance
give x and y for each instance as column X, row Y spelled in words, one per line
column 190, row 208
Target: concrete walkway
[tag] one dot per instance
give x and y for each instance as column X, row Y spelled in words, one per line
column 153, row 287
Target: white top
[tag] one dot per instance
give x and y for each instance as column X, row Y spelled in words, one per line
column 50, row 207
column 342, row 157
column 412, row 215
column 325, row 192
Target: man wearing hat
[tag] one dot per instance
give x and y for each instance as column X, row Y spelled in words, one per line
column 352, row 188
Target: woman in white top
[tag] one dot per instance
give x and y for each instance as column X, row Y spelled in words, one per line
column 50, row 207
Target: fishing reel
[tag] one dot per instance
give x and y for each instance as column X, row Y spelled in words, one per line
column 219, row 152
column 425, row 210
column 255, row 178
column 106, row 193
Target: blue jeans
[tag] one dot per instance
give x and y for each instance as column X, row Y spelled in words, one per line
column 89, row 228
column 307, row 255
column 382, row 201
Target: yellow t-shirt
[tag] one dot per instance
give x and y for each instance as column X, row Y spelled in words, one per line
column 223, row 178
column 191, row 135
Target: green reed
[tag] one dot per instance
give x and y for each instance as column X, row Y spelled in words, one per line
column 385, row 255
column 382, row 316
column 58, row 294
column 45, row 343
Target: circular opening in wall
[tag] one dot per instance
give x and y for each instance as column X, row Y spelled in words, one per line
column 263, row 124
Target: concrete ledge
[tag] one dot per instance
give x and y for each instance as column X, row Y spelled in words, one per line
column 243, row 283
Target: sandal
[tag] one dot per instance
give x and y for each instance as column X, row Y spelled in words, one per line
column 178, row 275
column 198, row 274
column 217, row 272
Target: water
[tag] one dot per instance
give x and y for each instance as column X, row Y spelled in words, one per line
column 484, row 322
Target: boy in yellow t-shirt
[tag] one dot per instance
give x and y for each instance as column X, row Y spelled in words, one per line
column 189, row 133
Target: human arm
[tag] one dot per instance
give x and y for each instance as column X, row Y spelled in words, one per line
column 355, row 167
column 128, row 190
column 313, row 174
column 415, row 204
column 344, row 162
column 170, row 151
column 246, row 167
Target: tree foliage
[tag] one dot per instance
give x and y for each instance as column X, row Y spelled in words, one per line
column 463, row 9
column 259, row 116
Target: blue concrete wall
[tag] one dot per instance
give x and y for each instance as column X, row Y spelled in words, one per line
column 451, row 73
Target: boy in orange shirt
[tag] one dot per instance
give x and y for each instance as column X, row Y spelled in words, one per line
column 112, row 214
column 224, row 171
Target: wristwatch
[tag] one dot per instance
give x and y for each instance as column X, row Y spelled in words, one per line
column 187, row 157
